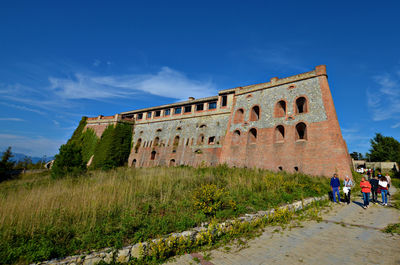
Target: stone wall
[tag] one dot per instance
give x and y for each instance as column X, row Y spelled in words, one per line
column 304, row 138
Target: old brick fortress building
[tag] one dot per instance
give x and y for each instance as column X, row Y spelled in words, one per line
column 286, row 124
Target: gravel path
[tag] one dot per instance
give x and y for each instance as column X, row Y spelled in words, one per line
column 348, row 234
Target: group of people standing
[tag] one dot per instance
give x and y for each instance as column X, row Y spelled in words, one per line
column 375, row 185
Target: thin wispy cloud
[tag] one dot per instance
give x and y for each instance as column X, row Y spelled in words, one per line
column 397, row 125
column 11, row 119
column 22, row 108
column 165, row 83
column 384, row 97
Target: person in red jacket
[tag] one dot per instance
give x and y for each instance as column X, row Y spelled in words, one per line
column 365, row 189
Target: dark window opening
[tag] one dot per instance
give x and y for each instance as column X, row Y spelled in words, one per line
column 211, row 140
column 239, row 116
column 148, row 115
column 280, row 168
column 252, row 135
column 212, row 105
column 203, row 126
column 140, row 116
column 280, row 109
column 224, row 102
column 167, row 112
column 188, row 109
column 200, row 107
column 159, row 130
column 301, row 131
column 187, row 141
column 178, row 110
column 200, row 140
column 296, row 169
column 134, row 163
column 157, row 113
column 172, row 162
column 137, row 146
column 179, row 128
column 255, row 113
column 236, row 137
column 301, row 105
column 279, row 133
column 176, row 141
column 156, row 141
column 153, row 155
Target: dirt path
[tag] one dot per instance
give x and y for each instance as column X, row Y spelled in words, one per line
column 348, row 234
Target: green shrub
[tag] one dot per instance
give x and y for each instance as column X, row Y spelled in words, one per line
column 88, row 141
column 68, row 161
column 209, row 199
column 114, row 147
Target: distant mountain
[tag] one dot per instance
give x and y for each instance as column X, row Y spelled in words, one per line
column 19, row 157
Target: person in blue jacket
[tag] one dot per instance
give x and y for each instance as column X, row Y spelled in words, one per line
column 335, row 186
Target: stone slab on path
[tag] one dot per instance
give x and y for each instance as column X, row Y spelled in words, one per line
column 348, row 234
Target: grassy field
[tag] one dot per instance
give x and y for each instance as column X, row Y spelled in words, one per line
column 41, row 218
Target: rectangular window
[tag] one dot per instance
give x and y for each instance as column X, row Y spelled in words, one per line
column 212, row 105
column 157, row 113
column 178, row 110
column 139, row 116
column 200, row 107
column 224, row 102
column 167, row 112
column 188, row 109
column 148, row 115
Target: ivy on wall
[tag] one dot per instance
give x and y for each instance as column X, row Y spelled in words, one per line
column 114, row 147
column 112, row 150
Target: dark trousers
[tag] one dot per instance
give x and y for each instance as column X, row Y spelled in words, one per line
column 347, row 197
column 374, row 195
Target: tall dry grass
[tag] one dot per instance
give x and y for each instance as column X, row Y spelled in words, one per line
column 125, row 205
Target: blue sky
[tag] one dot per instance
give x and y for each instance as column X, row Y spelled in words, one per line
column 60, row 60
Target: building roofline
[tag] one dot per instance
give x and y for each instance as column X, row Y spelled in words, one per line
column 275, row 81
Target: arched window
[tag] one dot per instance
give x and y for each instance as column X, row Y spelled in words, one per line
column 255, row 113
column 175, row 144
column 153, row 155
column 252, row 135
column 176, row 141
column 156, row 141
column 301, row 131
column 172, row 162
column 279, row 133
column 236, row 137
column 200, row 140
column 203, row 126
column 280, row 109
column 134, row 163
column 239, row 116
column 137, row 146
column 301, row 105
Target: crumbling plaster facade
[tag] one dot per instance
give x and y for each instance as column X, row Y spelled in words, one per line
column 286, row 124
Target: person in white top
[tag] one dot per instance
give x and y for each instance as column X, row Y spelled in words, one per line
column 389, row 180
column 383, row 186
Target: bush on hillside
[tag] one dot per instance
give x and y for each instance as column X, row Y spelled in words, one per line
column 114, row 147
column 68, row 161
column 6, row 164
column 88, row 142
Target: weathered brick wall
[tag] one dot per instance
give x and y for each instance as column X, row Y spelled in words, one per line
column 322, row 152
column 189, row 150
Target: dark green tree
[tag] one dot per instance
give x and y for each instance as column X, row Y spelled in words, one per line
column 384, row 148
column 5, row 164
column 356, row 156
column 68, row 162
